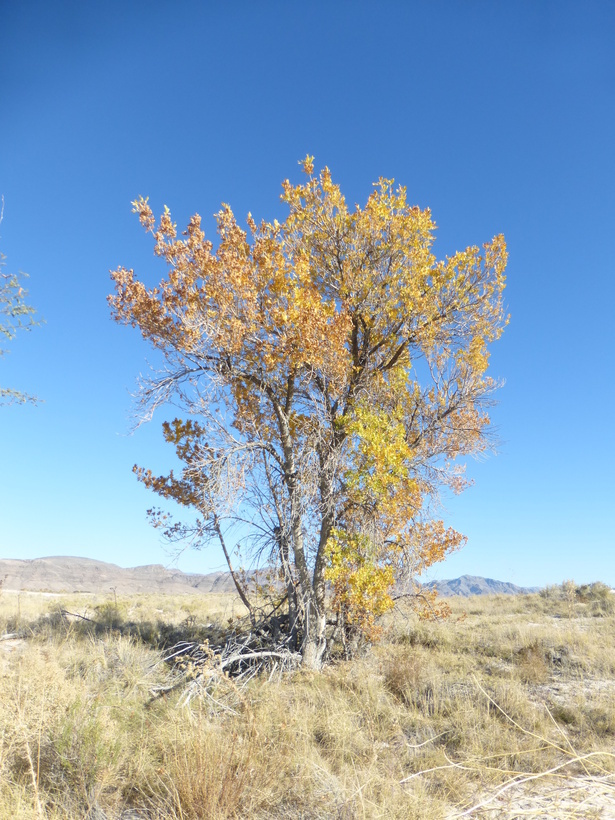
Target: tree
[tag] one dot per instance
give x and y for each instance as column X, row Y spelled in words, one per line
column 332, row 370
column 15, row 314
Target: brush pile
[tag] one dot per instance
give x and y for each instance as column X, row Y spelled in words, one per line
column 202, row 667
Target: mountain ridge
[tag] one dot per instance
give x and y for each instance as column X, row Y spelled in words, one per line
column 68, row 574
column 468, row 585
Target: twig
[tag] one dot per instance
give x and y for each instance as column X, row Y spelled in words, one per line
column 521, row 781
column 433, row 769
column 517, row 725
column 564, row 735
column 425, row 742
column 76, row 615
column 39, row 805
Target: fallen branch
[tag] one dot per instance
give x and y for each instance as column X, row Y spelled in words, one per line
column 76, row 615
column 248, row 656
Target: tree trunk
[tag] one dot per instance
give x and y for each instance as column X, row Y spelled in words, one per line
column 291, row 592
column 310, row 594
column 315, row 638
column 314, row 641
column 315, row 625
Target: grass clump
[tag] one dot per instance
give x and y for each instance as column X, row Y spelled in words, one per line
column 435, row 720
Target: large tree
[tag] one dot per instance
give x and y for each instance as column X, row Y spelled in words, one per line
column 331, row 371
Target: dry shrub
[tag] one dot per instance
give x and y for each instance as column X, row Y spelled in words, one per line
column 532, row 663
column 404, row 674
column 67, row 740
column 599, row 596
column 207, row 774
column 601, row 719
column 414, row 680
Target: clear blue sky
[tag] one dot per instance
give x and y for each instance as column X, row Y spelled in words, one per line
column 500, row 116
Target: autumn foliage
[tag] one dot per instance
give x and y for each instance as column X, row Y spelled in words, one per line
column 15, row 314
column 332, row 371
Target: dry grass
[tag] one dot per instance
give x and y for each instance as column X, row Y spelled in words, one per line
column 506, row 710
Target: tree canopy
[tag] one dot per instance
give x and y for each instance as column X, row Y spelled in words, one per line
column 331, row 370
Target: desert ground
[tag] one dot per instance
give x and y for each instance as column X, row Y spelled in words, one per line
column 505, row 710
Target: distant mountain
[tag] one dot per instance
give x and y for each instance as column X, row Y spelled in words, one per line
column 475, row 585
column 68, row 574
